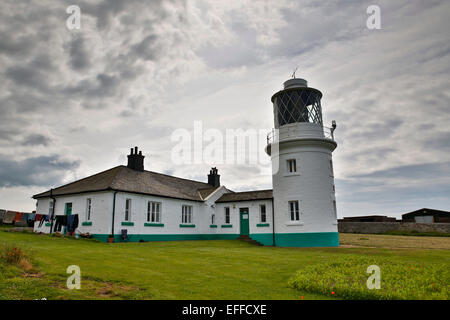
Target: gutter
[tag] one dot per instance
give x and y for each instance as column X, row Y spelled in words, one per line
column 53, row 210
column 273, row 223
column 113, row 214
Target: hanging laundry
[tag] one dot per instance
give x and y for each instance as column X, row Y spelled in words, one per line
column 2, row 215
column 41, row 222
column 60, row 221
column 38, row 217
column 18, row 216
column 72, row 223
column 9, row 217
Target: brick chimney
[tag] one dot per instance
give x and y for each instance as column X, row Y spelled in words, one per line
column 136, row 160
column 213, row 177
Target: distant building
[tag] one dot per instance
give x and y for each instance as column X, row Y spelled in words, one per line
column 368, row 219
column 426, row 215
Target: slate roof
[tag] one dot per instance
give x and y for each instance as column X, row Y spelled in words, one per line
column 246, row 196
column 122, row 178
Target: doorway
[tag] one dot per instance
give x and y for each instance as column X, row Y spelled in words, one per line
column 67, row 212
column 244, row 221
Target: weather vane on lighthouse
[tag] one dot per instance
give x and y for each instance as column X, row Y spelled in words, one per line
column 293, row 74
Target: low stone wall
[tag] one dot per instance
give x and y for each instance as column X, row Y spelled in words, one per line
column 382, row 227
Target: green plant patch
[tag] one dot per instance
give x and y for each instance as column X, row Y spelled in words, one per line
column 347, row 278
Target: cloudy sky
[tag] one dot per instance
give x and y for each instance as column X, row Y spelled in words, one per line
column 73, row 102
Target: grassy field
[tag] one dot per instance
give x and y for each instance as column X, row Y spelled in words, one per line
column 221, row 269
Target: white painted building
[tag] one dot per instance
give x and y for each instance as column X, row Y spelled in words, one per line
column 128, row 203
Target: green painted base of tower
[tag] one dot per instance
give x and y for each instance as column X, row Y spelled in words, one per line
column 310, row 239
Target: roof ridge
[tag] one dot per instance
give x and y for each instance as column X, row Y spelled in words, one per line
column 76, row 181
column 253, row 191
column 168, row 175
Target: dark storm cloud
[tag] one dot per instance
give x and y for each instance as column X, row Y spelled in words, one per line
column 148, row 48
column 103, row 85
column 36, row 139
column 34, row 171
column 79, row 57
column 440, row 142
column 14, row 46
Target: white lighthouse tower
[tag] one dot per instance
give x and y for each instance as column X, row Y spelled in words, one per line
column 303, row 183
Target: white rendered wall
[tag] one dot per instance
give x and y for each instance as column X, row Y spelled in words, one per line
column 312, row 186
column 254, row 216
column 101, row 208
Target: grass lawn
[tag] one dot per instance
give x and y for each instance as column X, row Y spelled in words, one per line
column 220, row 269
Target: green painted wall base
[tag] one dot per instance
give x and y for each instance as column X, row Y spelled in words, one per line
column 310, row 239
column 166, row 237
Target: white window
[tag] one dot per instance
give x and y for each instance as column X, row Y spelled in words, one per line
column 88, row 209
column 262, row 213
column 128, row 210
column 227, row 215
column 154, row 211
column 50, row 207
column 291, row 165
column 186, row 214
column 213, row 219
column 293, row 210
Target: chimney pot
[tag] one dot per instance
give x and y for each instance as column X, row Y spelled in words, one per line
column 135, row 160
column 213, row 177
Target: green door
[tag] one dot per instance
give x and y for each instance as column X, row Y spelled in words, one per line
column 68, row 212
column 243, row 212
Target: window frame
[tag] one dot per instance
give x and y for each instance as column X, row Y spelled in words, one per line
column 335, row 209
column 291, row 165
column 227, row 215
column 261, row 213
column 154, row 211
column 294, row 212
column 88, row 209
column 51, row 205
column 187, row 214
column 127, row 216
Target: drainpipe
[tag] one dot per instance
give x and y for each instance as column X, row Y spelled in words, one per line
column 53, row 210
column 113, row 214
column 273, row 223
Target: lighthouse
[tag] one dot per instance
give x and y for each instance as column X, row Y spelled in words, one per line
column 301, row 147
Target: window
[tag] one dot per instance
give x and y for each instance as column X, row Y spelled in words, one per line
column 154, row 211
column 128, row 210
column 291, row 165
column 262, row 213
column 50, row 207
column 331, row 167
column 335, row 209
column 186, row 214
column 88, row 209
column 213, row 219
column 227, row 215
column 293, row 210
